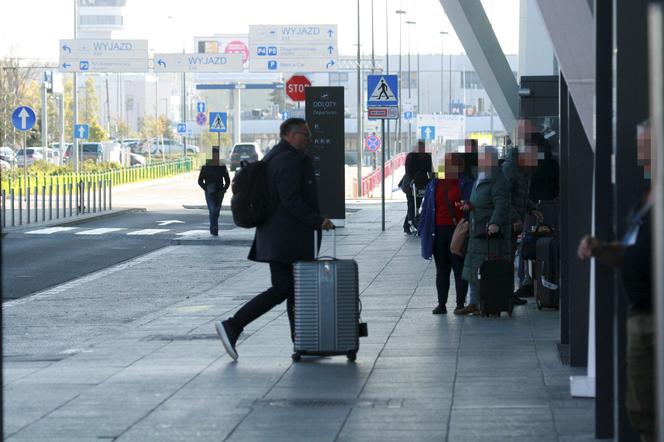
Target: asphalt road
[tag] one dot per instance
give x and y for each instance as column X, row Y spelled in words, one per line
column 36, row 261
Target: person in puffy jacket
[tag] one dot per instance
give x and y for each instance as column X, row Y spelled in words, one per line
column 440, row 214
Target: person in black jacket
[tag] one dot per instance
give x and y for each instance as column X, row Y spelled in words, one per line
column 288, row 234
column 419, row 170
column 214, row 180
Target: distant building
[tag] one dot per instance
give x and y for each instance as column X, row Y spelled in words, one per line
column 99, row 18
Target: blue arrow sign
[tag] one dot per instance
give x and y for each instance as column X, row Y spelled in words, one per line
column 330, row 49
column 408, row 115
column 23, row 118
column 218, row 122
column 200, row 107
column 81, row 131
column 329, row 64
column 382, row 90
column 428, row 133
column 182, row 128
column 66, row 49
column 161, row 62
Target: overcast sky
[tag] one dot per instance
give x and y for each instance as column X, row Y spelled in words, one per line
column 31, row 28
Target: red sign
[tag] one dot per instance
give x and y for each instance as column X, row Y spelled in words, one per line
column 238, row 47
column 295, row 87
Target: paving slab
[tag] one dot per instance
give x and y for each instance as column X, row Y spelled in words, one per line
column 131, row 355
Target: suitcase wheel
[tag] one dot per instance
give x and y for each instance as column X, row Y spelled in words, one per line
column 296, row 357
column 510, row 307
column 351, row 355
column 539, row 305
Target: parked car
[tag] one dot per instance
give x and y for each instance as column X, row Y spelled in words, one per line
column 249, row 152
column 168, row 146
column 7, row 155
column 28, row 156
column 4, row 165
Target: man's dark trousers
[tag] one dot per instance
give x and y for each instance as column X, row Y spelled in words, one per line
column 281, row 290
column 213, row 201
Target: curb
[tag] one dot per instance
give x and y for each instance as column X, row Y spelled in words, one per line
column 78, row 220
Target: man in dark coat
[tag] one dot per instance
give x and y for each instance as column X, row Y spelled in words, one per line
column 288, row 234
column 214, row 181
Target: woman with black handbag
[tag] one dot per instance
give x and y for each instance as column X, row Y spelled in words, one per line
column 489, row 208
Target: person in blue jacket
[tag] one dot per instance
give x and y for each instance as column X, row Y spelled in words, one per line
column 440, row 214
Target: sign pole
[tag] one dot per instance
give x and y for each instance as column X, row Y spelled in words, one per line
column 25, row 162
column 382, row 175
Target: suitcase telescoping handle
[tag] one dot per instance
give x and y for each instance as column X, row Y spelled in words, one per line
column 334, row 245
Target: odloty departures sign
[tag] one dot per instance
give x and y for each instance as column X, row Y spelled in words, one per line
column 197, row 62
column 101, row 55
column 325, row 117
column 293, row 48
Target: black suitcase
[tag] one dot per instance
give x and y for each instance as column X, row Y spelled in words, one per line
column 547, row 273
column 495, row 285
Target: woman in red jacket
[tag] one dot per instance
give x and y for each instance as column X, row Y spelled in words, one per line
column 448, row 201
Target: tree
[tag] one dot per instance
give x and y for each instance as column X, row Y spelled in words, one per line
column 278, row 97
column 156, row 127
column 18, row 87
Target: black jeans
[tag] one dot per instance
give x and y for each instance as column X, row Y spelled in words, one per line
column 213, row 201
column 281, row 290
column 446, row 262
column 410, row 214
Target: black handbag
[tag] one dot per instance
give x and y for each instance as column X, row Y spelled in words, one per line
column 406, row 184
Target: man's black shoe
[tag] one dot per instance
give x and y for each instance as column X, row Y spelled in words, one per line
column 228, row 334
column 440, row 310
column 518, row 301
column 525, row 291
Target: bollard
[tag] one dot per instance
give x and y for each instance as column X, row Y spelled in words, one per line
column 99, row 182
column 70, row 190
column 105, row 181
column 50, row 201
column 78, row 205
column 27, row 200
column 57, row 201
column 36, row 202
column 11, row 197
column 4, row 208
column 43, row 202
column 20, row 206
column 88, row 190
column 110, row 195
column 94, row 196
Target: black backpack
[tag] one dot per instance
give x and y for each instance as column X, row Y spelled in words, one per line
column 250, row 203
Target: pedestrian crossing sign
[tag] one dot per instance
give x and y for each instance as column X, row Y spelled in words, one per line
column 218, row 121
column 383, row 90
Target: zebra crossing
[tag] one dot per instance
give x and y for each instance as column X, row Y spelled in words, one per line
column 114, row 230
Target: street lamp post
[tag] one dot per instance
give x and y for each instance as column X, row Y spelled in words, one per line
column 400, row 148
column 359, row 108
column 442, row 62
column 410, row 89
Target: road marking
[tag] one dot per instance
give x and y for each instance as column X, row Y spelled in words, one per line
column 51, row 230
column 85, row 279
column 148, row 231
column 100, row 231
column 169, row 221
column 194, row 233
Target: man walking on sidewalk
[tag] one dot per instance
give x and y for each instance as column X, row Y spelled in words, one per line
column 288, row 234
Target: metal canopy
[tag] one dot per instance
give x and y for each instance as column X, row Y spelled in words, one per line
column 473, row 28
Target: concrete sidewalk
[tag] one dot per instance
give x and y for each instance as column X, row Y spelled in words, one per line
column 130, row 353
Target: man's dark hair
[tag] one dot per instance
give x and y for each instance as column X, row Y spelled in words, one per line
column 290, row 124
column 215, row 150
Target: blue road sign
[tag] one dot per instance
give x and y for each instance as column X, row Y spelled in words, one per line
column 182, row 128
column 261, row 50
column 81, row 131
column 272, row 65
column 23, row 118
column 372, row 143
column 201, row 119
column 84, row 65
column 428, row 133
column 271, row 50
column 382, row 90
column 408, row 115
column 200, row 106
column 218, row 122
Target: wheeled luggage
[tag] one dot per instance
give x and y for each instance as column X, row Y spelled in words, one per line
column 327, row 312
column 495, row 282
column 547, row 268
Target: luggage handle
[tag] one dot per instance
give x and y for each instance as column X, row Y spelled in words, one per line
column 334, row 245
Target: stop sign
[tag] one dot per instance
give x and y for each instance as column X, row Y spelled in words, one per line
column 295, row 87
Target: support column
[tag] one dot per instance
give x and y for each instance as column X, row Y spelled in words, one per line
column 631, row 108
column 564, row 212
column 604, row 229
